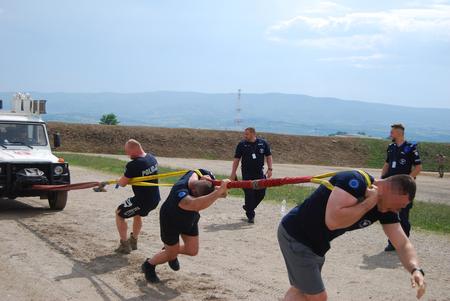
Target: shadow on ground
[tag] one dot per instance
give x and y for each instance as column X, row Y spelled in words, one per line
column 382, row 260
column 228, row 227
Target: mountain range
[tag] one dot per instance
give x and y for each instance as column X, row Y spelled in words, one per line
column 271, row 112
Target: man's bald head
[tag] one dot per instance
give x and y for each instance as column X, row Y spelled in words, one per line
column 133, row 148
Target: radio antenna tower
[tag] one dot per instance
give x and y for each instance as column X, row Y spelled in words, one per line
column 238, row 119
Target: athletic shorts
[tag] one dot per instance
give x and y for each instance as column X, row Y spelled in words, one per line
column 303, row 265
column 132, row 207
column 172, row 226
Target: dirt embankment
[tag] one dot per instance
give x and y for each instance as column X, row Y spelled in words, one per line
column 210, row 144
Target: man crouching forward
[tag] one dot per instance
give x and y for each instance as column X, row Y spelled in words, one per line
column 355, row 202
column 179, row 216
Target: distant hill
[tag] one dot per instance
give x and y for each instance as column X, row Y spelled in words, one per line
column 272, row 112
column 210, row 144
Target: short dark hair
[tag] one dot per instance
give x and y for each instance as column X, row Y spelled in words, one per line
column 405, row 184
column 203, row 187
column 251, row 130
column 398, row 126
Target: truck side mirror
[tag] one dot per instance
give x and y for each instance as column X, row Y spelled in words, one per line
column 56, row 140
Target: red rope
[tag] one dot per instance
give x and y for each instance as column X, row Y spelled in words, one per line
column 263, row 183
column 66, row 187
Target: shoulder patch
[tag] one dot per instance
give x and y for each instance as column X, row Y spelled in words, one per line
column 353, row 183
column 182, row 194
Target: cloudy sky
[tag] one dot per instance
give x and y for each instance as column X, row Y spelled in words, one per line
column 395, row 52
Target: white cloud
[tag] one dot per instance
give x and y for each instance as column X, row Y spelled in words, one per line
column 358, row 61
column 354, row 59
column 326, row 7
column 361, row 30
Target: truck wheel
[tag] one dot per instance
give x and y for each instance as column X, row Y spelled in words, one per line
column 57, row 200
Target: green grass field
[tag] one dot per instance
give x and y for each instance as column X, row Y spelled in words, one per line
column 428, row 150
column 427, row 216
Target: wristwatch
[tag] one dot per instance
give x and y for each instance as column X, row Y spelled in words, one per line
column 418, row 269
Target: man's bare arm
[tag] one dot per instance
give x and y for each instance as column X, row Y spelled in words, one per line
column 416, row 170
column 234, row 168
column 269, row 160
column 385, row 169
column 191, row 203
column 407, row 255
column 123, row 181
column 343, row 209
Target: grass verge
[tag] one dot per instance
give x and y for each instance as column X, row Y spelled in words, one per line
column 425, row 215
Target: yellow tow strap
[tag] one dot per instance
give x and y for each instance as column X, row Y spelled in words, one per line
column 320, row 179
column 140, row 181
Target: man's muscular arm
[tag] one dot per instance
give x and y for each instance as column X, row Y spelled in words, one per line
column 343, row 209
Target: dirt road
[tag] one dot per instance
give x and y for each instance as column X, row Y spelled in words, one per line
column 429, row 186
column 68, row 255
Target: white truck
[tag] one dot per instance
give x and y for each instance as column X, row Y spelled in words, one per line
column 26, row 157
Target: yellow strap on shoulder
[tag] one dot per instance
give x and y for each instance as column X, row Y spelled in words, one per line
column 198, row 172
column 320, row 179
column 366, row 177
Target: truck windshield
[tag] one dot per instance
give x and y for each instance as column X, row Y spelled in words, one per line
column 29, row 134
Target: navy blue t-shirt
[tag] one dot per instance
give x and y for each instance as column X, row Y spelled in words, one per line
column 252, row 158
column 401, row 158
column 140, row 167
column 178, row 192
column 306, row 222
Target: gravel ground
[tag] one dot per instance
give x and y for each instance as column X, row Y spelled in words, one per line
column 68, row 255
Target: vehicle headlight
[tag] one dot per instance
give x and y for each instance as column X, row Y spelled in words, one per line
column 58, row 170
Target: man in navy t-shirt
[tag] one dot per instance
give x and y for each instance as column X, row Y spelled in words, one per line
column 145, row 199
column 252, row 151
column 355, row 202
column 402, row 159
column 179, row 216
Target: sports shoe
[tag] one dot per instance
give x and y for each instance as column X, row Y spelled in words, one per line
column 124, row 247
column 174, row 264
column 149, row 270
column 133, row 242
column 251, row 220
column 389, row 248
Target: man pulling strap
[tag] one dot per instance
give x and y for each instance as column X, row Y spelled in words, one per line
column 355, row 202
column 179, row 216
column 145, row 199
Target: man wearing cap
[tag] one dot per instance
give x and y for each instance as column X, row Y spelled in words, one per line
column 402, row 159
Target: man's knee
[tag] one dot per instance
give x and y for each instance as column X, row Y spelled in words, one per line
column 172, row 251
column 191, row 251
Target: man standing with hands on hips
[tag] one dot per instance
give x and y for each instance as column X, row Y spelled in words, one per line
column 402, row 159
column 252, row 151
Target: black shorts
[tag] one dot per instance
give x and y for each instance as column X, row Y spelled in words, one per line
column 132, row 207
column 172, row 226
